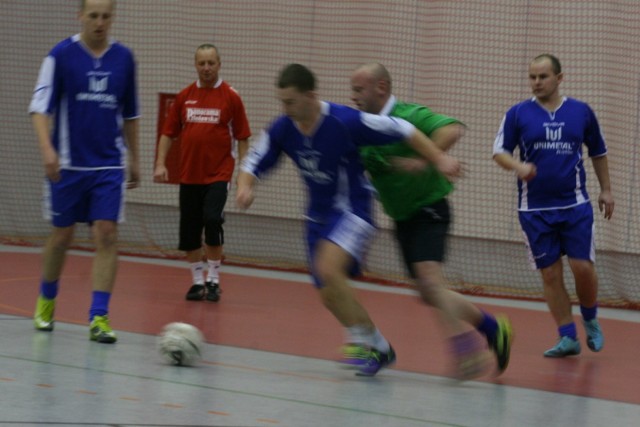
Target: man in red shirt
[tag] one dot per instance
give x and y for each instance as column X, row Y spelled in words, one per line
column 210, row 119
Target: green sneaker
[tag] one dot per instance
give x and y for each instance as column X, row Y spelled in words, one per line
column 501, row 344
column 354, row 355
column 43, row 317
column 100, row 331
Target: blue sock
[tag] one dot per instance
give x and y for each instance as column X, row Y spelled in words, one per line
column 49, row 290
column 589, row 313
column 99, row 304
column 568, row 330
column 488, row 326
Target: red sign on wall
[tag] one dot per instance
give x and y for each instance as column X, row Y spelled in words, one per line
column 173, row 156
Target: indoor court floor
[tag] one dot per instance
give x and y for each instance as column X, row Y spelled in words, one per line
column 270, row 358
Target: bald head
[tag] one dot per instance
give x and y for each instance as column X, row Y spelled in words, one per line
column 370, row 87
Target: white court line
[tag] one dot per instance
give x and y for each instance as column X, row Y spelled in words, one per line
column 607, row 313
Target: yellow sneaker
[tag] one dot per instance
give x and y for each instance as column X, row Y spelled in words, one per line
column 354, row 355
column 501, row 344
column 43, row 317
column 100, row 331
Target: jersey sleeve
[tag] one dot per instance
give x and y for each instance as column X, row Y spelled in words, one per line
column 264, row 155
column 131, row 106
column 173, row 123
column 506, row 140
column 240, row 123
column 428, row 121
column 45, row 92
column 373, row 129
column 593, row 139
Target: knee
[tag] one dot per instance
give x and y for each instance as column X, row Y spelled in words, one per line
column 429, row 291
column 105, row 234
column 326, row 273
column 60, row 239
column 552, row 276
column 333, row 295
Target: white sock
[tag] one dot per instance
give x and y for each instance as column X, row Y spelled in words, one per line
column 197, row 268
column 379, row 342
column 362, row 335
column 357, row 335
column 214, row 269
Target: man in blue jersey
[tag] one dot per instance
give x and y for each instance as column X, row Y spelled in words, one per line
column 86, row 91
column 322, row 139
column 553, row 205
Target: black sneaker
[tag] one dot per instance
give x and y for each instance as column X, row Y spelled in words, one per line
column 213, row 291
column 196, row 293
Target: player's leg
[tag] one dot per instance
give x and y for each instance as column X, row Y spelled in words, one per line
column 543, row 242
column 190, row 236
column 62, row 200
column 335, row 253
column 422, row 240
column 214, row 203
column 105, row 210
column 331, row 265
column 580, row 248
column 53, row 259
column 559, row 304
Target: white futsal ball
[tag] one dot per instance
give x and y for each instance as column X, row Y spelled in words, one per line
column 180, row 344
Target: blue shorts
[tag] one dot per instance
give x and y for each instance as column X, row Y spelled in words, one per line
column 347, row 230
column 85, row 196
column 549, row 234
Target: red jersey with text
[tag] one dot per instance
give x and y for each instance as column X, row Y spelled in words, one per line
column 209, row 122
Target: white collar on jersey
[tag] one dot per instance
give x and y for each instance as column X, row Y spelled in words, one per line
column 386, row 110
column 218, row 83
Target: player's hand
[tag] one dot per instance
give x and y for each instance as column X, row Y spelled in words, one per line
column 134, row 177
column 606, row 203
column 244, row 197
column 161, row 174
column 526, row 171
column 449, row 166
column 133, row 183
column 51, row 166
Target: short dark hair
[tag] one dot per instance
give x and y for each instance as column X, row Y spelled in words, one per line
column 207, row 46
column 298, row 76
column 83, row 3
column 555, row 62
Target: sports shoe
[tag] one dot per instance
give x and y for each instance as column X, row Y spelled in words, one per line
column 100, row 331
column 565, row 346
column 472, row 365
column 376, row 361
column 195, row 293
column 213, row 291
column 501, row 343
column 43, row 317
column 354, row 355
column 470, row 356
column 595, row 339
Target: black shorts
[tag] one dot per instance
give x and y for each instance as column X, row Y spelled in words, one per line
column 202, row 208
column 423, row 236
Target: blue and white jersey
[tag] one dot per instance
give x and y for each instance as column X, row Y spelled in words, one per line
column 328, row 160
column 89, row 97
column 552, row 140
